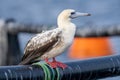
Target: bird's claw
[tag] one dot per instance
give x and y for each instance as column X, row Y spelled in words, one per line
column 56, row 64
column 59, row 64
column 53, row 65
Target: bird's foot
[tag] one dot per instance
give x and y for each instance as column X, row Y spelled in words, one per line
column 55, row 64
column 52, row 64
column 59, row 64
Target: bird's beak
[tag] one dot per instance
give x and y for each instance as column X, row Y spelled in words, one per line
column 77, row 14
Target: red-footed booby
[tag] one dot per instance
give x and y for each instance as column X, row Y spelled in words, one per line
column 54, row 42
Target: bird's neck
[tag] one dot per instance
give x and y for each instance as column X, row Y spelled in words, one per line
column 64, row 23
column 68, row 27
column 68, row 30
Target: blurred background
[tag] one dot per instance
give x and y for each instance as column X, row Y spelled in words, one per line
column 45, row 12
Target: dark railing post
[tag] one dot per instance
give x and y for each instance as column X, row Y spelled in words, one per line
column 9, row 45
column 14, row 53
column 3, row 43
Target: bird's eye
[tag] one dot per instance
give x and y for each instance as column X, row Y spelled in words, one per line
column 72, row 13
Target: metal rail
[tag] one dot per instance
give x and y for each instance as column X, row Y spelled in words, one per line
column 83, row 31
column 91, row 69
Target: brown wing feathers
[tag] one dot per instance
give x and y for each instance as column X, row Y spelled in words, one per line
column 34, row 54
column 34, row 51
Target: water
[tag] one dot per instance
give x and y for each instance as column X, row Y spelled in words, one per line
column 46, row 11
column 103, row 12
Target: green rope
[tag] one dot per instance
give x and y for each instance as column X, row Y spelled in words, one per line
column 53, row 72
column 58, row 74
column 44, row 69
column 47, row 71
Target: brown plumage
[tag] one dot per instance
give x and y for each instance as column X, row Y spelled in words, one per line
column 39, row 45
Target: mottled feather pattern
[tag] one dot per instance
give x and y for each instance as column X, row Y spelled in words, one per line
column 41, row 39
column 41, row 43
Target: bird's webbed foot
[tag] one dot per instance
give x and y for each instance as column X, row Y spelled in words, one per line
column 55, row 64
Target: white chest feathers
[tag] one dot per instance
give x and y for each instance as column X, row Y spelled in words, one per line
column 68, row 34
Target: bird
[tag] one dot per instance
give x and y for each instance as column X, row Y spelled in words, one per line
column 49, row 44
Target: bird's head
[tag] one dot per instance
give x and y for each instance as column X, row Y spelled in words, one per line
column 66, row 15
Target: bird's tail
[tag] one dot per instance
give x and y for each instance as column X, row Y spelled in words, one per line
column 30, row 59
column 25, row 62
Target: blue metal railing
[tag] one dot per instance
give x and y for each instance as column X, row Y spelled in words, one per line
column 90, row 69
